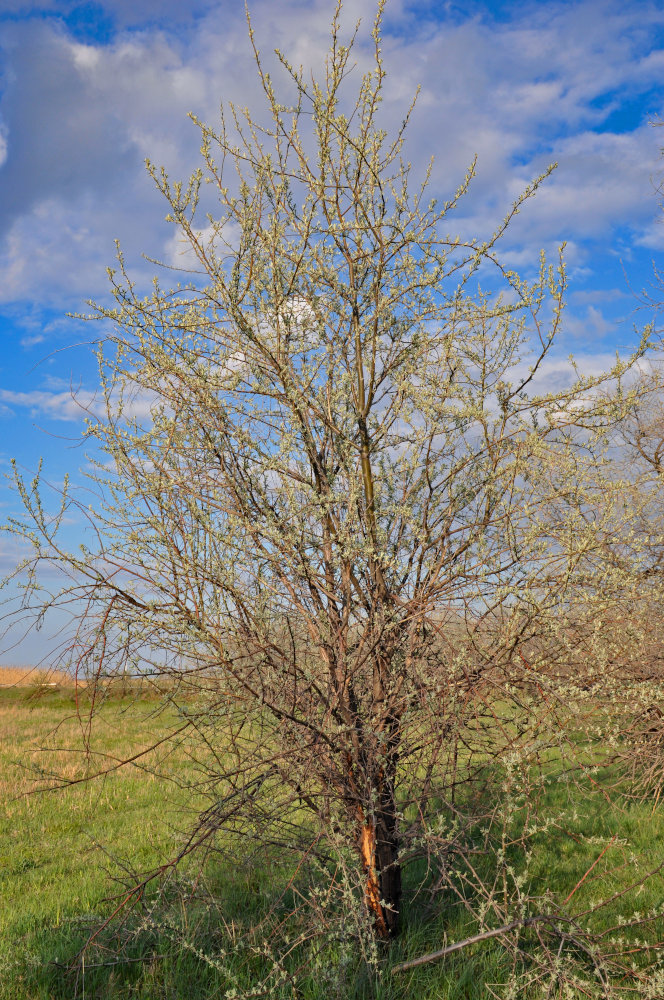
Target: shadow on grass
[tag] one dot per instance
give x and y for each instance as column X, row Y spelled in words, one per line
column 191, row 940
column 192, row 943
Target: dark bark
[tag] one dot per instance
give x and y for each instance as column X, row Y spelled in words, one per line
column 388, row 866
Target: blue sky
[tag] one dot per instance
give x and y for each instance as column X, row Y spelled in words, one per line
column 87, row 90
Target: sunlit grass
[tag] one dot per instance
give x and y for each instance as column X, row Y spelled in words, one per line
column 59, row 849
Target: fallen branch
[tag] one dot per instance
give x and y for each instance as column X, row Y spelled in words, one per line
column 484, row 936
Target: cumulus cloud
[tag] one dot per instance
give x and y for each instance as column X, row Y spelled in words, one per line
column 74, row 404
column 61, row 142
column 592, row 326
column 78, row 116
column 602, row 180
column 55, row 405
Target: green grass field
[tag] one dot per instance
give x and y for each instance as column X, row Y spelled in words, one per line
column 62, row 852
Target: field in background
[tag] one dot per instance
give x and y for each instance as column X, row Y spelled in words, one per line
column 22, row 676
column 59, row 851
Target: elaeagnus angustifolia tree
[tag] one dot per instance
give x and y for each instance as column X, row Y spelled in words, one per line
column 343, row 515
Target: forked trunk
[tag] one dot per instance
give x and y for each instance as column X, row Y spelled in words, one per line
column 379, row 850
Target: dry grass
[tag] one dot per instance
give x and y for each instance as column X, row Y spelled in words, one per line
column 23, row 676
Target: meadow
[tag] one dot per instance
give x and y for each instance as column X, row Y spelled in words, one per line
column 67, row 855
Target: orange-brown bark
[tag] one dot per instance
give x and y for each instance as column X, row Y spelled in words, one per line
column 372, row 887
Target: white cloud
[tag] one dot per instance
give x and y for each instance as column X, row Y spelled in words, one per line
column 79, row 118
column 31, row 340
column 598, row 295
column 74, row 404
column 56, row 405
column 652, row 236
column 593, row 326
column 602, row 180
column 179, row 253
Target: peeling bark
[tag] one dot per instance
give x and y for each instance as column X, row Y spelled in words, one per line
column 379, row 851
column 372, row 893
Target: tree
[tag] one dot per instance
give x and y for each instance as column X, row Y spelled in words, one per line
column 633, row 556
column 342, row 512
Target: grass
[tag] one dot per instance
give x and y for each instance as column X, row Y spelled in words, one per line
column 55, row 875
column 53, row 865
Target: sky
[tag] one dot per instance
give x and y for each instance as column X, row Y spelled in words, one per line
column 88, row 90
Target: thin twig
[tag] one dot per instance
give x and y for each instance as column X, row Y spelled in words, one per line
column 599, row 856
column 107, row 965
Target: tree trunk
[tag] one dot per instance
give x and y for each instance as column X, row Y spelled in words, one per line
column 379, row 850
